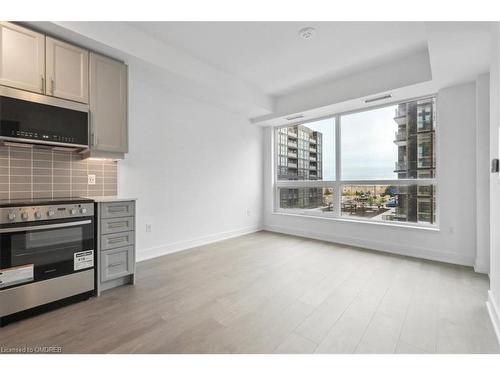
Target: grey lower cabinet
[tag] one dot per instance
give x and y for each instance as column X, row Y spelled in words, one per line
column 115, row 244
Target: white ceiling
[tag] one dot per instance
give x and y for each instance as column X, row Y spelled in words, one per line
column 272, row 57
column 266, row 72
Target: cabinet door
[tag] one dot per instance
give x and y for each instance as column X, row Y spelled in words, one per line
column 22, row 58
column 67, row 71
column 108, row 104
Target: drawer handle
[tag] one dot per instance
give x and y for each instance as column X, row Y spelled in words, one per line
column 117, row 239
column 117, row 209
column 117, row 224
column 116, row 264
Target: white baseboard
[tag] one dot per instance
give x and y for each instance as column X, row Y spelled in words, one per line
column 155, row 252
column 482, row 268
column 387, row 247
column 494, row 314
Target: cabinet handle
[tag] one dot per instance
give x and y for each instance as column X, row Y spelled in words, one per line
column 43, row 83
column 117, row 225
column 117, row 239
column 116, row 264
column 52, row 85
column 91, row 125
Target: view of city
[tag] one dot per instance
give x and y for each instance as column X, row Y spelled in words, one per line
column 408, row 154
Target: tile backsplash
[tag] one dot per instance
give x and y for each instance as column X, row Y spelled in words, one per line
column 39, row 173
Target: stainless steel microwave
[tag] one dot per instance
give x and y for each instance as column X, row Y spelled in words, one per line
column 38, row 120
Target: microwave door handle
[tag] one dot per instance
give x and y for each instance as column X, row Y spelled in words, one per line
column 46, row 226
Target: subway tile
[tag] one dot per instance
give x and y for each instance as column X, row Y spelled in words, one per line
column 80, row 173
column 60, row 172
column 79, row 186
column 42, row 171
column 61, row 180
column 37, row 172
column 20, row 154
column 4, row 195
column 61, row 156
column 23, row 163
column 42, row 187
column 61, row 187
column 20, row 187
column 20, row 179
column 61, row 193
column 42, row 194
column 20, row 171
column 20, row 194
column 42, row 164
column 42, row 156
column 42, row 179
column 62, row 165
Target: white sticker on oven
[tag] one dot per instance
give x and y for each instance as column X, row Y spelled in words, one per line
column 83, row 259
column 16, row 275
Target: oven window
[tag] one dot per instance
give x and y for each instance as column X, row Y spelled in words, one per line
column 56, row 237
column 51, row 246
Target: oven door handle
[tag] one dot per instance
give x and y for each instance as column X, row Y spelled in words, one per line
column 47, row 226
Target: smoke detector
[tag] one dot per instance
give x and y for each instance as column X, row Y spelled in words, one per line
column 307, row 32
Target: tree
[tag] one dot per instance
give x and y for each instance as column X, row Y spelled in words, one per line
column 381, row 201
column 390, row 190
column 371, row 200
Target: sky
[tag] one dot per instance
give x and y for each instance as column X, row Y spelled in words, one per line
column 367, row 145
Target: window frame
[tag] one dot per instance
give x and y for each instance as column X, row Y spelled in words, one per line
column 337, row 184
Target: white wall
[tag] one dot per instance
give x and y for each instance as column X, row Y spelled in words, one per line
column 456, row 240
column 482, row 263
column 194, row 168
column 494, row 294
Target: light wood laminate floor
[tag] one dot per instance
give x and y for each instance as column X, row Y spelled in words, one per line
column 272, row 293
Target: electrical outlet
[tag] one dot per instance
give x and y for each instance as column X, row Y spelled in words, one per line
column 91, row 179
column 249, row 213
column 148, row 228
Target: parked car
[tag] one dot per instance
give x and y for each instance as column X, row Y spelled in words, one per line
column 392, row 202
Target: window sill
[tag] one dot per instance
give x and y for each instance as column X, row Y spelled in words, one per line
column 359, row 221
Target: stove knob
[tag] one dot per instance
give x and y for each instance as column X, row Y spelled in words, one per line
column 72, row 211
column 83, row 210
column 12, row 216
column 38, row 215
column 24, row 216
column 51, row 213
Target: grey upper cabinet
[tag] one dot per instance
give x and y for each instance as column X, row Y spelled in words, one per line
column 22, row 58
column 67, row 71
column 108, row 104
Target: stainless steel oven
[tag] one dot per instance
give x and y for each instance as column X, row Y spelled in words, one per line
column 46, row 254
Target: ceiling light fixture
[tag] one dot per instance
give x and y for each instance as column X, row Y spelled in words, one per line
column 294, row 117
column 388, row 96
column 307, row 32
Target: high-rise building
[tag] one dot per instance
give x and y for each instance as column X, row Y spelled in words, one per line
column 299, row 158
column 415, row 139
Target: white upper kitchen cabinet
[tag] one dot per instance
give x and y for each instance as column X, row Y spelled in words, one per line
column 67, row 71
column 108, row 105
column 22, row 58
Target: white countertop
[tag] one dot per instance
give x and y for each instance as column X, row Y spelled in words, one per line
column 112, row 198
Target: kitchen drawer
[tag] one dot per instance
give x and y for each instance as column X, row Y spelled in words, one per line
column 117, row 263
column 111, row 241
column 116, row 225
column 117, row 209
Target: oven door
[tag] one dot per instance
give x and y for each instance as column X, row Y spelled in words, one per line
column 45, row 249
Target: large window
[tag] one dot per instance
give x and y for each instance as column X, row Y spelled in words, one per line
column 377, row 164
